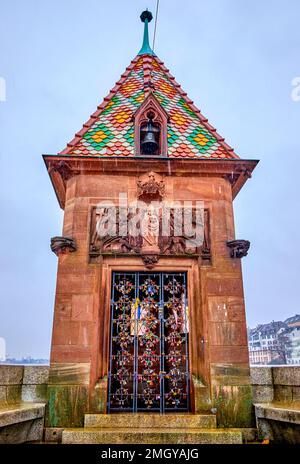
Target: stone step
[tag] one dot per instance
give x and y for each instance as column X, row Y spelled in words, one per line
column 21, row 412
column 151, row 436
column 174, row 421
column 21, row 422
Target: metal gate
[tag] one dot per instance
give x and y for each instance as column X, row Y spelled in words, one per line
column 148, row 366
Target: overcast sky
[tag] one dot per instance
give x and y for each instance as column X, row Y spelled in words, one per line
column 236, row 59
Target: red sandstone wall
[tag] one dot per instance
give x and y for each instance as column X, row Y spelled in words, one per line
column 81, row 318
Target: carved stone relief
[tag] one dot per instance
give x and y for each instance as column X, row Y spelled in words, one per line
column 160, row 227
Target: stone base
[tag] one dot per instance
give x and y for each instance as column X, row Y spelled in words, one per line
column 149, row 421
column 151, row 429
column 151, row 436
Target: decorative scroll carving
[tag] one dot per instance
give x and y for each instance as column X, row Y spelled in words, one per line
column 238, row 248
column 232, row 178
column 62, row 245
column 247, row 173
column 63, row 168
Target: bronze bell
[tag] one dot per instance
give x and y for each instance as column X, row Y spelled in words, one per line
column 149, row 143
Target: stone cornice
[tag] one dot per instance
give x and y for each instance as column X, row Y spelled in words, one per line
column 235, row 171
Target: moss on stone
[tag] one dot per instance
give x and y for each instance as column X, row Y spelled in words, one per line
column 201, row 395
column 13, row 394
column 99, row 397
column 234, row 406
column 66, row 405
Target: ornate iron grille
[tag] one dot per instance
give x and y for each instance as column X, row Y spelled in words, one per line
column 149, row 367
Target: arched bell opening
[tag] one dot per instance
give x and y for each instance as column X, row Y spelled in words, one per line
column 150, row 136
column 150, row 129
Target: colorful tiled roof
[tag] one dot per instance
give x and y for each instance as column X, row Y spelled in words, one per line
column 110, row 130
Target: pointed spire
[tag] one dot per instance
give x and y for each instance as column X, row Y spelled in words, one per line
column 146, row 17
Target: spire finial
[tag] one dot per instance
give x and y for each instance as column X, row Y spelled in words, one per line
column 146, row 17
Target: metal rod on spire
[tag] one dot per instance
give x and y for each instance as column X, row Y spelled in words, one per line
column 155, row 26
column 146, row 17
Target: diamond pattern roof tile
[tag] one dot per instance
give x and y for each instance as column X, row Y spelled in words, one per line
column 110, row 131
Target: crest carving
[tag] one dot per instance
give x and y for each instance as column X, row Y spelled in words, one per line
column 150, row 186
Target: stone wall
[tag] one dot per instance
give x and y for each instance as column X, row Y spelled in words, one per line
column 23, row 395
column 23, row 384
column 67, row 394
column 276, row 396
column 23, row 391
column 275, row 384
column 219, row 361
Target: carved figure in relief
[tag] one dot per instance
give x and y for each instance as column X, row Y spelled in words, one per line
column 150, row 229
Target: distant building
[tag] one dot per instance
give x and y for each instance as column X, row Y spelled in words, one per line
column 293, row 334
column 260, row 356
column 2, row 349
column 276, row 342
column 293, row 353
column 293, row 321
column 266, row 344
column 28, row 360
